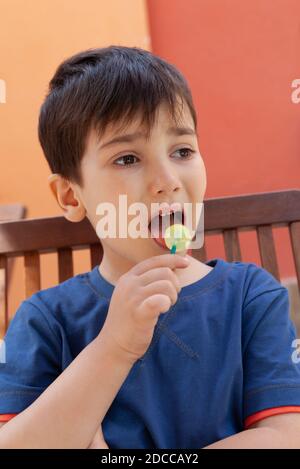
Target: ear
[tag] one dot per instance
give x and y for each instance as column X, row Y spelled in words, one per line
column 67, row 198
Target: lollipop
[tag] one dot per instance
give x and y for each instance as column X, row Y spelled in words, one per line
column 177, row 237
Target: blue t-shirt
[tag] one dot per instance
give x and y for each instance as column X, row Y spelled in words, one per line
column 220, row 354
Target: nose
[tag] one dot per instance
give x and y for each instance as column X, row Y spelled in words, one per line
column 163, row 180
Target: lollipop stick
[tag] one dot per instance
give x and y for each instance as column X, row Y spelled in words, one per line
column 173, row 249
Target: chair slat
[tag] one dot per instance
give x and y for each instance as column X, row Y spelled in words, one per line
column 267, row 250
column 251, row 210
column 45, row 235
column 200, row 254
column 32, row 272
column 4, row 293
column 232, row 245
column 294, row 229
column 96, row 252
column 65, row 264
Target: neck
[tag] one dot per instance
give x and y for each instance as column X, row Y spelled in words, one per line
column 113, row 266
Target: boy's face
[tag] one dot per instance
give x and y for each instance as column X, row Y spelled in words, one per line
column 157, row 171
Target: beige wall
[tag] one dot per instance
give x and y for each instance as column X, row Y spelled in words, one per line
column 35, row 36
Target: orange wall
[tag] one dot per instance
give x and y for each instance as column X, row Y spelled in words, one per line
column 35, row 36
column 240, row 58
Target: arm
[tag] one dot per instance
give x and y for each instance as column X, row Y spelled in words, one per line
column 279, row 431
column 98, row 441
column 54, row 421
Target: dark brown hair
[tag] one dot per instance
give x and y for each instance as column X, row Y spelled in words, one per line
column 97, row 87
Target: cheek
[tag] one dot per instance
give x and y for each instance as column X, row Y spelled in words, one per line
column 197, row 179
column 197, row 188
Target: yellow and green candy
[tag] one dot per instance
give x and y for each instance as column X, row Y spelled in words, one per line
column 177, row 237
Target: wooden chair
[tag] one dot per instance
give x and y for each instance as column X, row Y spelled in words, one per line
column 8, row 212
column 226, row 215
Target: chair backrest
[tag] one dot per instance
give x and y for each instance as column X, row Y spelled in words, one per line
column 9, row 212
column 12, row 212
column 226, row 215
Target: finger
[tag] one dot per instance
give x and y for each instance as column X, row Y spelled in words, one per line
column 173, row 261
column 164, row 287
column 156, row 304
column 160, row 273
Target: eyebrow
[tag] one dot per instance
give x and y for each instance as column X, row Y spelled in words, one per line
column 128, row 138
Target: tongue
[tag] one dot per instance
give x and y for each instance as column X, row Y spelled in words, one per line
column 158, row 227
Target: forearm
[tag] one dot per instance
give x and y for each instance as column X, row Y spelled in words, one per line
column 259, row 438
column 70, row 410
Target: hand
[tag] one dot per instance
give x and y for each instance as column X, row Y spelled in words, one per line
column 140, row 295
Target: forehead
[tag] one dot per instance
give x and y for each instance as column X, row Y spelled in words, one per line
column 163, row 120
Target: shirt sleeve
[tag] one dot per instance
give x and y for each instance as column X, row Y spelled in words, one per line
column 32, row 359
column 271, row 367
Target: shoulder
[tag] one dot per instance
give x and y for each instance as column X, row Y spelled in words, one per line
column 260, row 288
column 264, row 295
column 65, row 307
column 254, row 280
column 256, row 292
column 265, row 307
column 260, row 281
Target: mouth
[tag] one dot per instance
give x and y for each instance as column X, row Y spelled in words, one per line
column 159, row 223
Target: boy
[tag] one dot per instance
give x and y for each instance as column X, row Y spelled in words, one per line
column 147, row 350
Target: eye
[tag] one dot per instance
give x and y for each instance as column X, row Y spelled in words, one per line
column 188, row 152
column 127, row 160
